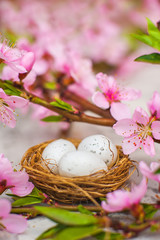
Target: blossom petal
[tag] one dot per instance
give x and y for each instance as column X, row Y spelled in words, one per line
column 140, row 116
column 5, row 165
column 102, row 81
column 28, row 60
column 16, row 102
column 148, row 145
column 148, row 172
column 2, row 94
column 116, row 201
column 99, row 99
column 16, row 67
column 130, row 144
column 125, row 127
column 139, row 191
column 29, row 79
column 156, row 129
column 154, row 104
column 129, row 94
column 154, row 166
column 9, row 74
column 20, row 182
column 5, row 207
column 14, row 223
column 120, row 110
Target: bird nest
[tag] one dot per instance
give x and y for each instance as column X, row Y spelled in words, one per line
column 76, row 189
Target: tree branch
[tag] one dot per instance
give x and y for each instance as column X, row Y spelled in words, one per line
column 71, row 117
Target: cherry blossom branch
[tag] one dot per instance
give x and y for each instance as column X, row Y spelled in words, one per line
column 67, row 116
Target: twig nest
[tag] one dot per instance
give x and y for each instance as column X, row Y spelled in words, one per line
column 101, row 146
column 76, row 189
column 55, row 151
column 80, row 163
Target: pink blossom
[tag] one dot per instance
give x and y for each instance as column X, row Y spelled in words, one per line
column 16, row 181
column 7, row 108
column 19, row 61
column 112, row 95
column 79, row 68
column 154, row 105
column 138, row 131
column 120, row 199
column 11, row 222
column 149, row 172
column 9, row 74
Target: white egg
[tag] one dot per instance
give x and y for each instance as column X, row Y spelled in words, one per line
column 101, row 146
column 54, row 152
column 79, row 163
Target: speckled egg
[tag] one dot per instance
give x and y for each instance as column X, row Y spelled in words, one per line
column 80, row 163
column 54, row 152
column 101, row 146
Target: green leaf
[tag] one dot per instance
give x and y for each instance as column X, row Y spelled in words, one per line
column 153, row 30
column 26, row 201
column 150, row 58
column 50, row 85
column 77, row 233
column 9, row 89
column 49, row 233
column 66, row 217
column 36, row 196
column 35, row 193
column 82, row 209
column 149, row 40
column 149, row 210
column 63, row 105
column 152, row 38
column 157, row 171
column 52, row 118
column 116, row 236
column 14, row 197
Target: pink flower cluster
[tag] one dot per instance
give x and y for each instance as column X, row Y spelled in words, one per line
column 11, row 222
column 138, row 132
column 141, row 129
column 111, row 96
column 17, row 182
column 17, row 60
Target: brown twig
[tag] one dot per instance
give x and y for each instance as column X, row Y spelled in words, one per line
column 70, row 116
